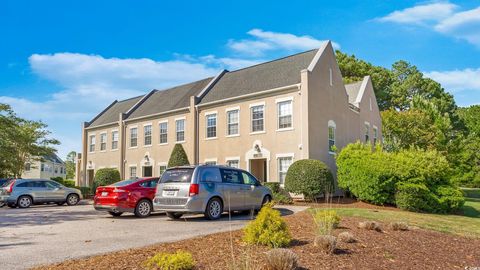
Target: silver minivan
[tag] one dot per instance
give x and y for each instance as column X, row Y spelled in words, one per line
column 208, row 189
column 25, row 192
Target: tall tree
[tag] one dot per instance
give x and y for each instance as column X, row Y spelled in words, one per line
column 70, row 164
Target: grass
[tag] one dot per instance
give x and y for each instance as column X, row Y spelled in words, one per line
column 466, row 224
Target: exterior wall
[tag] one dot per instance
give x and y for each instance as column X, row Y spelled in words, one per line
column 35, row 171
column 158, row 154
column 369, row 113
column 273, row 142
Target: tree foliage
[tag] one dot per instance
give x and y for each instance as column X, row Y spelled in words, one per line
column 178, row 157
column 21, row 141
column 309, row 177
column 70, row 164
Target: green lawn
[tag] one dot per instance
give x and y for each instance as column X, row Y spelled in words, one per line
column 467, row 224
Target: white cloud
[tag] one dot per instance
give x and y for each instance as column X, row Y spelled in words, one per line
column 421, row 13
column 463, row 25
column 268, row 41
column 229, row 63
column 443, row 18
column 457, row 80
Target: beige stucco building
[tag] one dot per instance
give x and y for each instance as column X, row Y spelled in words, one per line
column 45, row 168
column 260, row 118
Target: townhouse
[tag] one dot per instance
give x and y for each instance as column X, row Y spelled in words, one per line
column 261, row 118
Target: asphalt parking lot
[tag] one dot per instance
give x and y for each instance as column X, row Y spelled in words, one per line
column 47, row 234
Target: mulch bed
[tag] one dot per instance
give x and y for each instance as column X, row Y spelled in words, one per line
column 388, row 249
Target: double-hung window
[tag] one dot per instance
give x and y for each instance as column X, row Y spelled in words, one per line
column 180, row 130
column 284, row 114
column 232, row 122
column 114, row 140
column 234, row 163
column 103, row 141
column 163, row 132
column 133, row 137
column 147, row 135
column 257, row 114
column 133, row 172
column 283, row 165
column 92, row 143
column 211, row 121
column 162, row 169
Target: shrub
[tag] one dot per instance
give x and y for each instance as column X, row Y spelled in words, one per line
column 180, row 260
column 69, row 183
column 86, row 191
column 57, row 179
column 281, row 259
column 370, row 225
column 346, row 237
column 279, row 194
column 399, row 226
column 449, row 198
column 415, row 197
column 325, row 221
column 178, row 157
column 327, row 243
column 267, row 229
column 106, row 176
column 309, row 177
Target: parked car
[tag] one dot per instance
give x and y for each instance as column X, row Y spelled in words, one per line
column 25, row 192
column 133, row 195
column 210, row 190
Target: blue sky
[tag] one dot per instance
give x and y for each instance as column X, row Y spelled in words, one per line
column 63, row 61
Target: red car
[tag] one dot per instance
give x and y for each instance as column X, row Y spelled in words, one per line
column 134, row 196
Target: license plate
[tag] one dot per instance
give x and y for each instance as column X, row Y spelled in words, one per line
column 169, row 193
column 104, row 194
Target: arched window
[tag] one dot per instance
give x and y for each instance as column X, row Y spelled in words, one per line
column 331, row 136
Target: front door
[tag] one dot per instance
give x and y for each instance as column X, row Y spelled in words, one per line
column 258, row 167
column 147, row 171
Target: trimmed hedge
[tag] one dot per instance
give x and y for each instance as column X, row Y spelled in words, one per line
column 178, row 157
column 105, row 177
column 279, row 194
column 414, row 180
column 309, row 177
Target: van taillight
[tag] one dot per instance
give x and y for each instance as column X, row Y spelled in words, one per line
column 10, row 188
column 193, row 190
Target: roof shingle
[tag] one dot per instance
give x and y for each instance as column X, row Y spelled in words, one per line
column 111, row 114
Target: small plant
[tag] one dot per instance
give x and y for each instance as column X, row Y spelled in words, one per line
column 346, row 237
column 243, row 262
column 280, row 195
column 326, row 221
column 181, row 260
column 399, row 226
column 281, row 259
column 327, row 243
column 370, row 225
column 267, row 229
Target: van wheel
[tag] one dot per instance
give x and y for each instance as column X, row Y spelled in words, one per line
column 115, row 214
column 174, row 215
column 24, row 201
column 143, row 209
column 214, row 209
column 72, row 199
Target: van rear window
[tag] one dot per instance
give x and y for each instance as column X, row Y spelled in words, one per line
column 180, row 175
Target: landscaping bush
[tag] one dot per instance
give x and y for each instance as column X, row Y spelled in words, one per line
column 69, row 183
column 279, row 194
column 326, row 221
column 57, row 179
column 106, row 176
column 281, row 259
column 370, row 225
column 415, row 197
column 346, row 237
column 309, row 177
column 86, row 191
column 399, row 226
column 181, row 260
column 327, row 243
column 449, row 198
column 178, row 157
column 268, row 229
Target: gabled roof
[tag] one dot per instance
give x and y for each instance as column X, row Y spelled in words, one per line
column 111, row 114
column 352, row 91
column 265, row 76
column 53, row 158
column 170, row 99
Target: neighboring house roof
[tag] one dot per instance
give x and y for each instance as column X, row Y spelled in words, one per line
column 170, row 99
column 265, row 76
column 111, row 114
column 53, row 158
column 352, row 91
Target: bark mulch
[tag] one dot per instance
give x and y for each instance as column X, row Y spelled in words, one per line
column 388, row 249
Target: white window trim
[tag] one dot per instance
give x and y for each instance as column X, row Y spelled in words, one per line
column 232, row 159
column 257, row 104
column 330, row 75
column 237, row 108
column 130, row 171
column 147, row 124
column 151, row 135
column 162, row 122
column 184, row 129
column 289, row 98
column 90, row 135
column 264, row 119
column 162, row 163
column 284, row 155
column 106, row 140
column 210, row 160
column 181, row 118
column 130, row 137
column 258, row 132
column 216, row 125
column 118, row 140
column 332, row 124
